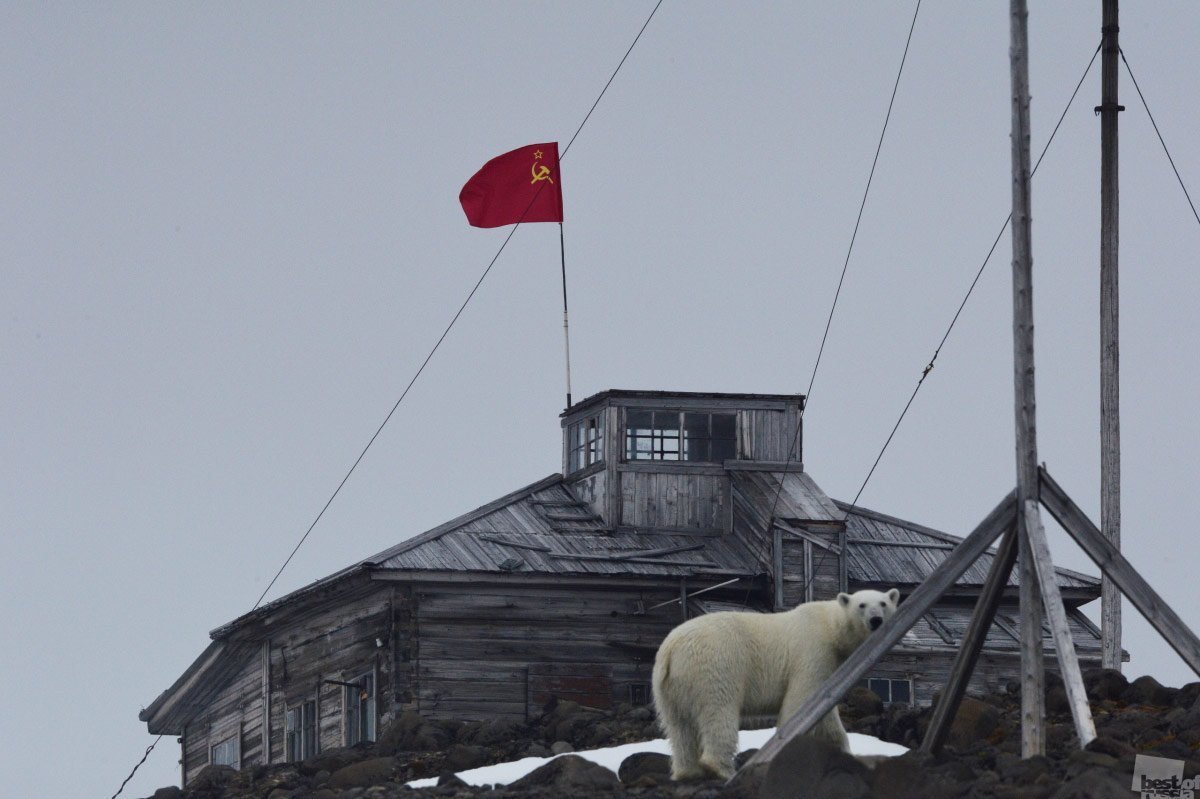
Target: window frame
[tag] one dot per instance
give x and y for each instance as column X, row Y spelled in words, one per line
column 585, row 442
column 369, row 731
column 308, row 736
column 232, row 735
column 865, row 682
column 658, row 442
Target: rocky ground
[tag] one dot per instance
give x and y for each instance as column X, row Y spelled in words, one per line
column 981, row 758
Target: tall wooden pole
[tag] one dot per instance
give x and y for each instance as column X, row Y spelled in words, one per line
column 1110, row 389
column 1032, row 666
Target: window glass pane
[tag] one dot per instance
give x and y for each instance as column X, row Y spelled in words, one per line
column 724, row 425
column 723, row 449
column 225, row 752
column 666, row 424
column 640, row 421
column 695, row 436
column 309, row 733
column 901, row 691
column 880, row 687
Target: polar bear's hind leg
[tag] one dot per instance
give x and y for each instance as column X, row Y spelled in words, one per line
column 719, row 740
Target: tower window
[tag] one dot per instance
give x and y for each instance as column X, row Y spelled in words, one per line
column 680, row 436
column 585, row 442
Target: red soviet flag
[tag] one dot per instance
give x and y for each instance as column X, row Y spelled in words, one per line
column 519, row 186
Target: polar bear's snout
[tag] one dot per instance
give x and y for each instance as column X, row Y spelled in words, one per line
column 875, row 622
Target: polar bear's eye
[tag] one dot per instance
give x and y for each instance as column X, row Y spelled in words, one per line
column 862, row 604
column 883, row 604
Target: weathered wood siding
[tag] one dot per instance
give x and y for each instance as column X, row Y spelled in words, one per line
column 479, row 644
column 767, row 435
column 590, row 489
column 341, row 643
column 811, row 572
column 929, row 672
column 237, row 709
column 675, row 501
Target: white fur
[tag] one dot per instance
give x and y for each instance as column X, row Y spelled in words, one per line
column 713, row 669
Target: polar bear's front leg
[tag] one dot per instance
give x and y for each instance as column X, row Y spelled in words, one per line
column 828, row 728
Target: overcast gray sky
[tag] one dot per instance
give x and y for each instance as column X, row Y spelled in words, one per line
column 230, row 233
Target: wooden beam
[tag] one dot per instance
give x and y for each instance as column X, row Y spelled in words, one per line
column 1123, row 574
column 1056, row 613
column 807, row 536
column 266, row 702
column 1110, row 346
column 1033, row 677
column 777, row 565
column 515, row 544
column 763, row 466
column 878, row 643
column 912, row 544
column 972, row 643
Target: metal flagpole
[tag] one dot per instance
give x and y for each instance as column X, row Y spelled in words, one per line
column 566, row 327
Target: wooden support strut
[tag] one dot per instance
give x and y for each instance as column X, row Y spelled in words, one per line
column 1056, row 614
column 878, row 643
column 1112, row 563
column 972, row 643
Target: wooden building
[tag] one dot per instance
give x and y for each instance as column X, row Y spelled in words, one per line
column 668, row 505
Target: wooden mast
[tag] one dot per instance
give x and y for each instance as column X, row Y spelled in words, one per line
column 1110, row 405
column 1032, row 666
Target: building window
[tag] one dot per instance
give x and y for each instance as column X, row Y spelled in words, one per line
column 639, row 694
column 585, row 440
column 360, row 710
column 224, row 752
column 891, row 691
column 680, row 436
column 301, row 727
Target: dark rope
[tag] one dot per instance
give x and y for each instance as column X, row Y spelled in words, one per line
column 446, row 332
column 870, row 177
column 975, row 282
column 137, row 765
column 1158, row 133
column 424, row 363
column 845, row 264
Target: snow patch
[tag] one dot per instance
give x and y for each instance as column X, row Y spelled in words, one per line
column 612, row 757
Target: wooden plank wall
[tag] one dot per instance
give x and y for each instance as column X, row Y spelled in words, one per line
column 929, row 672
column 766, row 435
column 826, row 566
column 590, row 489
column 338, row 643
column 476, row 645
column 750, row 528
column 678, row 501
column 238, row 709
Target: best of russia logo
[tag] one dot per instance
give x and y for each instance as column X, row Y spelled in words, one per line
column 1155, row 777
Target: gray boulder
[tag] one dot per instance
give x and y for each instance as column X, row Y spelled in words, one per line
column 569, row 773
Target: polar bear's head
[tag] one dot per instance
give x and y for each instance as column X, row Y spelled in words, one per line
column 870, row 608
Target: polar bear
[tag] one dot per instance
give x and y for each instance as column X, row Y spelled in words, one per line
column 713, row 669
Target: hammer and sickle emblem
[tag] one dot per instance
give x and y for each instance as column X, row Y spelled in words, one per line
column 539, row 171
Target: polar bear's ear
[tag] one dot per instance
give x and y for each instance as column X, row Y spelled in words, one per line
column 894, row 595
column 844, row 599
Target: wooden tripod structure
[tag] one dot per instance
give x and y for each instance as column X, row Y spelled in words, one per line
column 1017, row 520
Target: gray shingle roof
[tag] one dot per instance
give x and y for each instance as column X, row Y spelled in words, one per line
column 884, row 563
column 545, row 529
